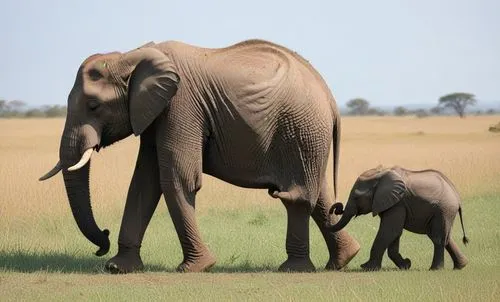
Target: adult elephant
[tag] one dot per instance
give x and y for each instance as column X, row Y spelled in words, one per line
column 254, row 114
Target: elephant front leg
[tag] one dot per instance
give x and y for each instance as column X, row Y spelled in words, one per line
column 297, row 238
column 391, row 228
column 342, row 247
column 142, row 199
column 180, row 202
column 395, row 256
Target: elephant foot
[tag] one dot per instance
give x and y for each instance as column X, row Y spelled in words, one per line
column 126, row 261
column 198, row 264
column 406, row 264
column 436, row 267
column 348, row 248
column 121, row 265
column 368, row 266
column 460, row 264
column 293, row 264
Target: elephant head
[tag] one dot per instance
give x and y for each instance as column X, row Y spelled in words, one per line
column 376, row 190
column 113, row 96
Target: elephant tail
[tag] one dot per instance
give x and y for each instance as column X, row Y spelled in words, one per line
column 336, row 149
column 465, row 240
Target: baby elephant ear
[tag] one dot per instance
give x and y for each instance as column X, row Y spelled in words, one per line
column 389, row 191
column 152, row 85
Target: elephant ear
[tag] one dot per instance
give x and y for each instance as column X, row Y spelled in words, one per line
column 389, row 191
column 152, row 84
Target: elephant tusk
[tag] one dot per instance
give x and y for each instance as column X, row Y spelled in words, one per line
column 360, row 192
column 83, row 161
column 52, row 172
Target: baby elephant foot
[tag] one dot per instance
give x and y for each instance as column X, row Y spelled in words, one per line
column 198, row 264
column 369, row 266
column 405, row 264
column 293, row 264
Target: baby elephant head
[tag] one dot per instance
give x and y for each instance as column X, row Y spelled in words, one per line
column 375, row 190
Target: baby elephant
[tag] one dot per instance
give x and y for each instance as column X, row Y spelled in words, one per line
column 423, row 202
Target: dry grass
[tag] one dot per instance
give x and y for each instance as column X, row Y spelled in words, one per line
column 245, row 228
column 463, row 149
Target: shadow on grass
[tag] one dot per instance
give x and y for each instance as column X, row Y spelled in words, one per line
column 30, row 262
column 245, row 267
column 383, row 269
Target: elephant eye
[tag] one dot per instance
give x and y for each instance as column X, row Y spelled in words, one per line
column 94, row 74
column 93, row 104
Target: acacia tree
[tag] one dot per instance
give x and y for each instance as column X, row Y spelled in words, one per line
column 358, row 106
column 458, row 101
column 400, row 111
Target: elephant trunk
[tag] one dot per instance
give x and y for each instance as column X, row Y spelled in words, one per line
column 348, row 213
column 77, row 187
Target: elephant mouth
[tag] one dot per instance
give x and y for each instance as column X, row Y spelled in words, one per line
column 83, row 161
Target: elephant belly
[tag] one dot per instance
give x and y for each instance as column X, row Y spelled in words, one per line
column 418, row 222
column 416, row 227
column 241, row 167
column 419, row 214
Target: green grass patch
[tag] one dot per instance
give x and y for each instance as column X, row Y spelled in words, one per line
column 53, row 261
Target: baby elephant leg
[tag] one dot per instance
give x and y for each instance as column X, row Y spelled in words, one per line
column 459, row 259
column 391, row 227
column 395, row 256
column 437, row 235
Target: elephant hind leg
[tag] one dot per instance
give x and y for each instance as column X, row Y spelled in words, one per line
column 459, row 259
column 297, row 238
column 438, row 235
column 342, row 247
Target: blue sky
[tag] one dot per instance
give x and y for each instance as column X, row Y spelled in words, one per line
column 387, row 51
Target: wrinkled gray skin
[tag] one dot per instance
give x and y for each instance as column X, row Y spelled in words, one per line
column 423, row 202
column 254, row 114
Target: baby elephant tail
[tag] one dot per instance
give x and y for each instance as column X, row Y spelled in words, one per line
column 465, row 240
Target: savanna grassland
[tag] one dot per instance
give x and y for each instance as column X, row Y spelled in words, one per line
column 43, row 256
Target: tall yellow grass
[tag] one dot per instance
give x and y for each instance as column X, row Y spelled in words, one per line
column 461, row 148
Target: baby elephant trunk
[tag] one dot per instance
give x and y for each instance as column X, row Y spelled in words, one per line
column 347, row 214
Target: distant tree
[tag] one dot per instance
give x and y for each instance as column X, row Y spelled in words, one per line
column 458, row 101
column 16, row 105
column 54, row 111
column 3, row 105
column 11, row 108
column 436, row 110
column 358, row 106
column 376, row 111
column 400, row 111
column 34, row 113
column 491, row 111
column 421, row 113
